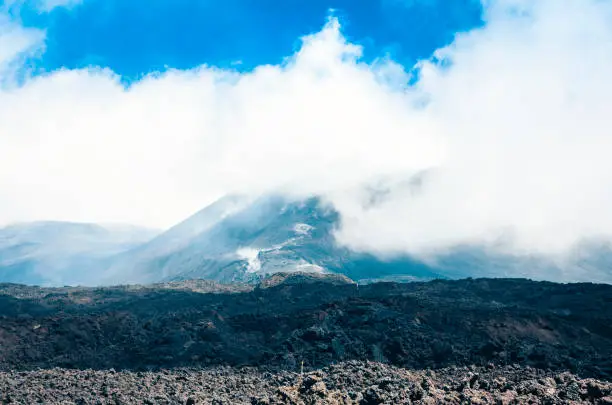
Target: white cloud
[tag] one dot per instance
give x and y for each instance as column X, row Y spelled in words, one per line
column 40, row 5
column 524, row 108
column 16, row 42
column 512, row 136
column 48, row 5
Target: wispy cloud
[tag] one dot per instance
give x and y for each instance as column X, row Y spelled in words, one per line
column 16, row 43
column 48, row 5
column 40, row 5
column 506, row 131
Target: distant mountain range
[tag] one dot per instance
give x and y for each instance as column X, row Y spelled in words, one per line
column 243, row 239
column 58, row 253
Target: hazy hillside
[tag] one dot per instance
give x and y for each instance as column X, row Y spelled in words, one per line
column 56, row 253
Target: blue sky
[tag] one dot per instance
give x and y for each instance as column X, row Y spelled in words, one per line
column 135, row 37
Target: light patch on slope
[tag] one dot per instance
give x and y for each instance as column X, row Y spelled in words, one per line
column 254, row 264
column 303, row 229
column 252, row 257
column 309, row 267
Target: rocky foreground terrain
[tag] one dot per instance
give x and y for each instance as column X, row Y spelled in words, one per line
column 345, row 383
column 493, row 341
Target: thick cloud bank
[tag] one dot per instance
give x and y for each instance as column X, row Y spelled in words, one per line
column 502, row 139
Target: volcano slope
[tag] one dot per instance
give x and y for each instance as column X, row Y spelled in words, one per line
column 315, row 320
